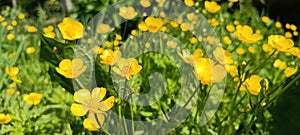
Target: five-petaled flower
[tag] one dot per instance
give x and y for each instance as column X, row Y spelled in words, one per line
column 246, row 35
column 4, row 118
column 71, row 69
column 32, row 98
column 127, row 67
column 212, row 6
column 127, row 12
column 70, row 29
column 91, row 104
column 280, row 43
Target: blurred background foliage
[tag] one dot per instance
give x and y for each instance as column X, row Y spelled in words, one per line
column 287, row 110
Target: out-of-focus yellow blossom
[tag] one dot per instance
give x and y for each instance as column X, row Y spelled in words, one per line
column 160, row 2
column 50, row 35
column 189, row 2
column 288, row 26
column 9, row 27
column 33, row 98
column 4, row 118
column 30, row 50
column 142, row 26
column 207, row 72
column 230, row 28
column 11, row 55
column 153, row 24
column 193, row 40
column 71, row 69
column 222, row 56
column 91, row 103
column 116, row 42
column 187, row 26
column 134, row 32
column 265, row 19
column 213, row 22
column 240, row 51
column 10, row 91
column 164, row 29
column 109, row 57
column 108, row 44
column 70, row 29
column 251, row 49
column 295, row 33
column 12, row 73
column 278, row 25
column 174, row 24
column 172, row 44
column 145, row 3
column 10, row 36
column 4, row 24
column 127, row 12
column 280, row 43
column 293, row 27
column 31, row 29
column 233, row 1
column 212, row 6
column 227, row 40
column 288, row 34
column 236, row 22
column 246, row 35
column 103, row 28
column 147, row 45
column 118, row 37
column 232, row 70
column 14, row 23
column 279, row 64
column 1, row 18
column 289, row 71
column 21, row 16
column 48, row 29
column 97, row 50
column 267, row 48
column 191, row 16
column 127, row 67
column 253, row 84
column 294, row 51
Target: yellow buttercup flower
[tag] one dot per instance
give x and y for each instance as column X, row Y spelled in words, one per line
column 109, row 57
column 189, row 2
column 207, row 72
column 31, row 29
column 193, row 40
column 251, row 49
column 278, row 24
column 9, row 27
column 1, row 18
column 267, row 48
column 21, row 16
column 12, row 73
column 246, row 35
column 70, row 29
column 48, row 29
column 253, row 84
column 153, row 24
column 293, row 27
column 145, row 3
column 127, row 12
column 4, row 24
column 4, row 118
column 30, row 50
column 212, row 7
column 240, row 51
column 50, row 35
column 294, row 51
column 213, row 22
column 280, row 43
column 227, row 40
column 134, row 32
column 174, row 24
column 10, row 36
column 288, row 72
column 71, row 69
column 91, row 103
column 142, row 26
column 32, row 98
column 172, row 44
column 103, row 28
column 288, row 34
column 279, row 64
column 265, row 19
column 127, row 67
column 230, row 28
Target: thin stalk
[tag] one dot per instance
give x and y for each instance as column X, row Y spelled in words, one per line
column 263, row 63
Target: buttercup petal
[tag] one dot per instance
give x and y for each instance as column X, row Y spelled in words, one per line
column 82, row 95
column 88, row 125
column 98, row 93
column 107, row 104
column 65, row 64
column 78, row 110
